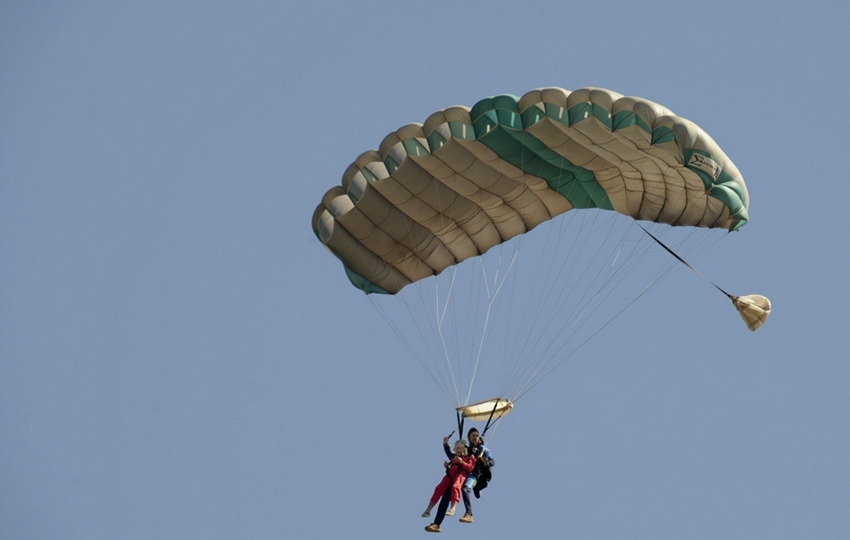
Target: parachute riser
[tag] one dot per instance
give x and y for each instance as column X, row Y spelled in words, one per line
column 490, row 419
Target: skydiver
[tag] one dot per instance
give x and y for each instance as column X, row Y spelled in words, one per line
column 458, row 467
column 480, row 475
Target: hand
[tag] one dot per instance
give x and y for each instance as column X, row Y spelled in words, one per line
column 445, row 440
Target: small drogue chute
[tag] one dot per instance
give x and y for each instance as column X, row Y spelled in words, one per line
column 754, row 309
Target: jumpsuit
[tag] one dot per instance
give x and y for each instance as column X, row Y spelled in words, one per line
column 454, row 478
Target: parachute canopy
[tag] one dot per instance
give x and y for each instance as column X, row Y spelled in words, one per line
column 466, row 180
column 469, row 182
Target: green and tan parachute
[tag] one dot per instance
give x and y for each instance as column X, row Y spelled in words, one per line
column 467, row 180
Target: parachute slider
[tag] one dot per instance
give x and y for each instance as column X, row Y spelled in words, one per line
column 485, row 410
column 754, row 309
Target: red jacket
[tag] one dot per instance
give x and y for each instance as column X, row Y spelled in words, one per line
column 464, row 467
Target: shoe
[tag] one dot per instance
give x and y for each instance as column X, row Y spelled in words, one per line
column 467, row 518
column 426, row 513
column 433, row 528
column 450, row 512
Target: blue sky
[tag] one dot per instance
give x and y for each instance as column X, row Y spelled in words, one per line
column 180, row 358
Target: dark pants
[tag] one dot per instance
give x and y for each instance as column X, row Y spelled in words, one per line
column 444, row 506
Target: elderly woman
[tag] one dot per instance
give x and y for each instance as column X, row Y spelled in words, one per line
column 460, row 464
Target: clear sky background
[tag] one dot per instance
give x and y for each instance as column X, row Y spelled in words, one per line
column 181, row 358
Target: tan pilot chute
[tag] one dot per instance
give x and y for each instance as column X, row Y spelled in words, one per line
column 754, row 309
